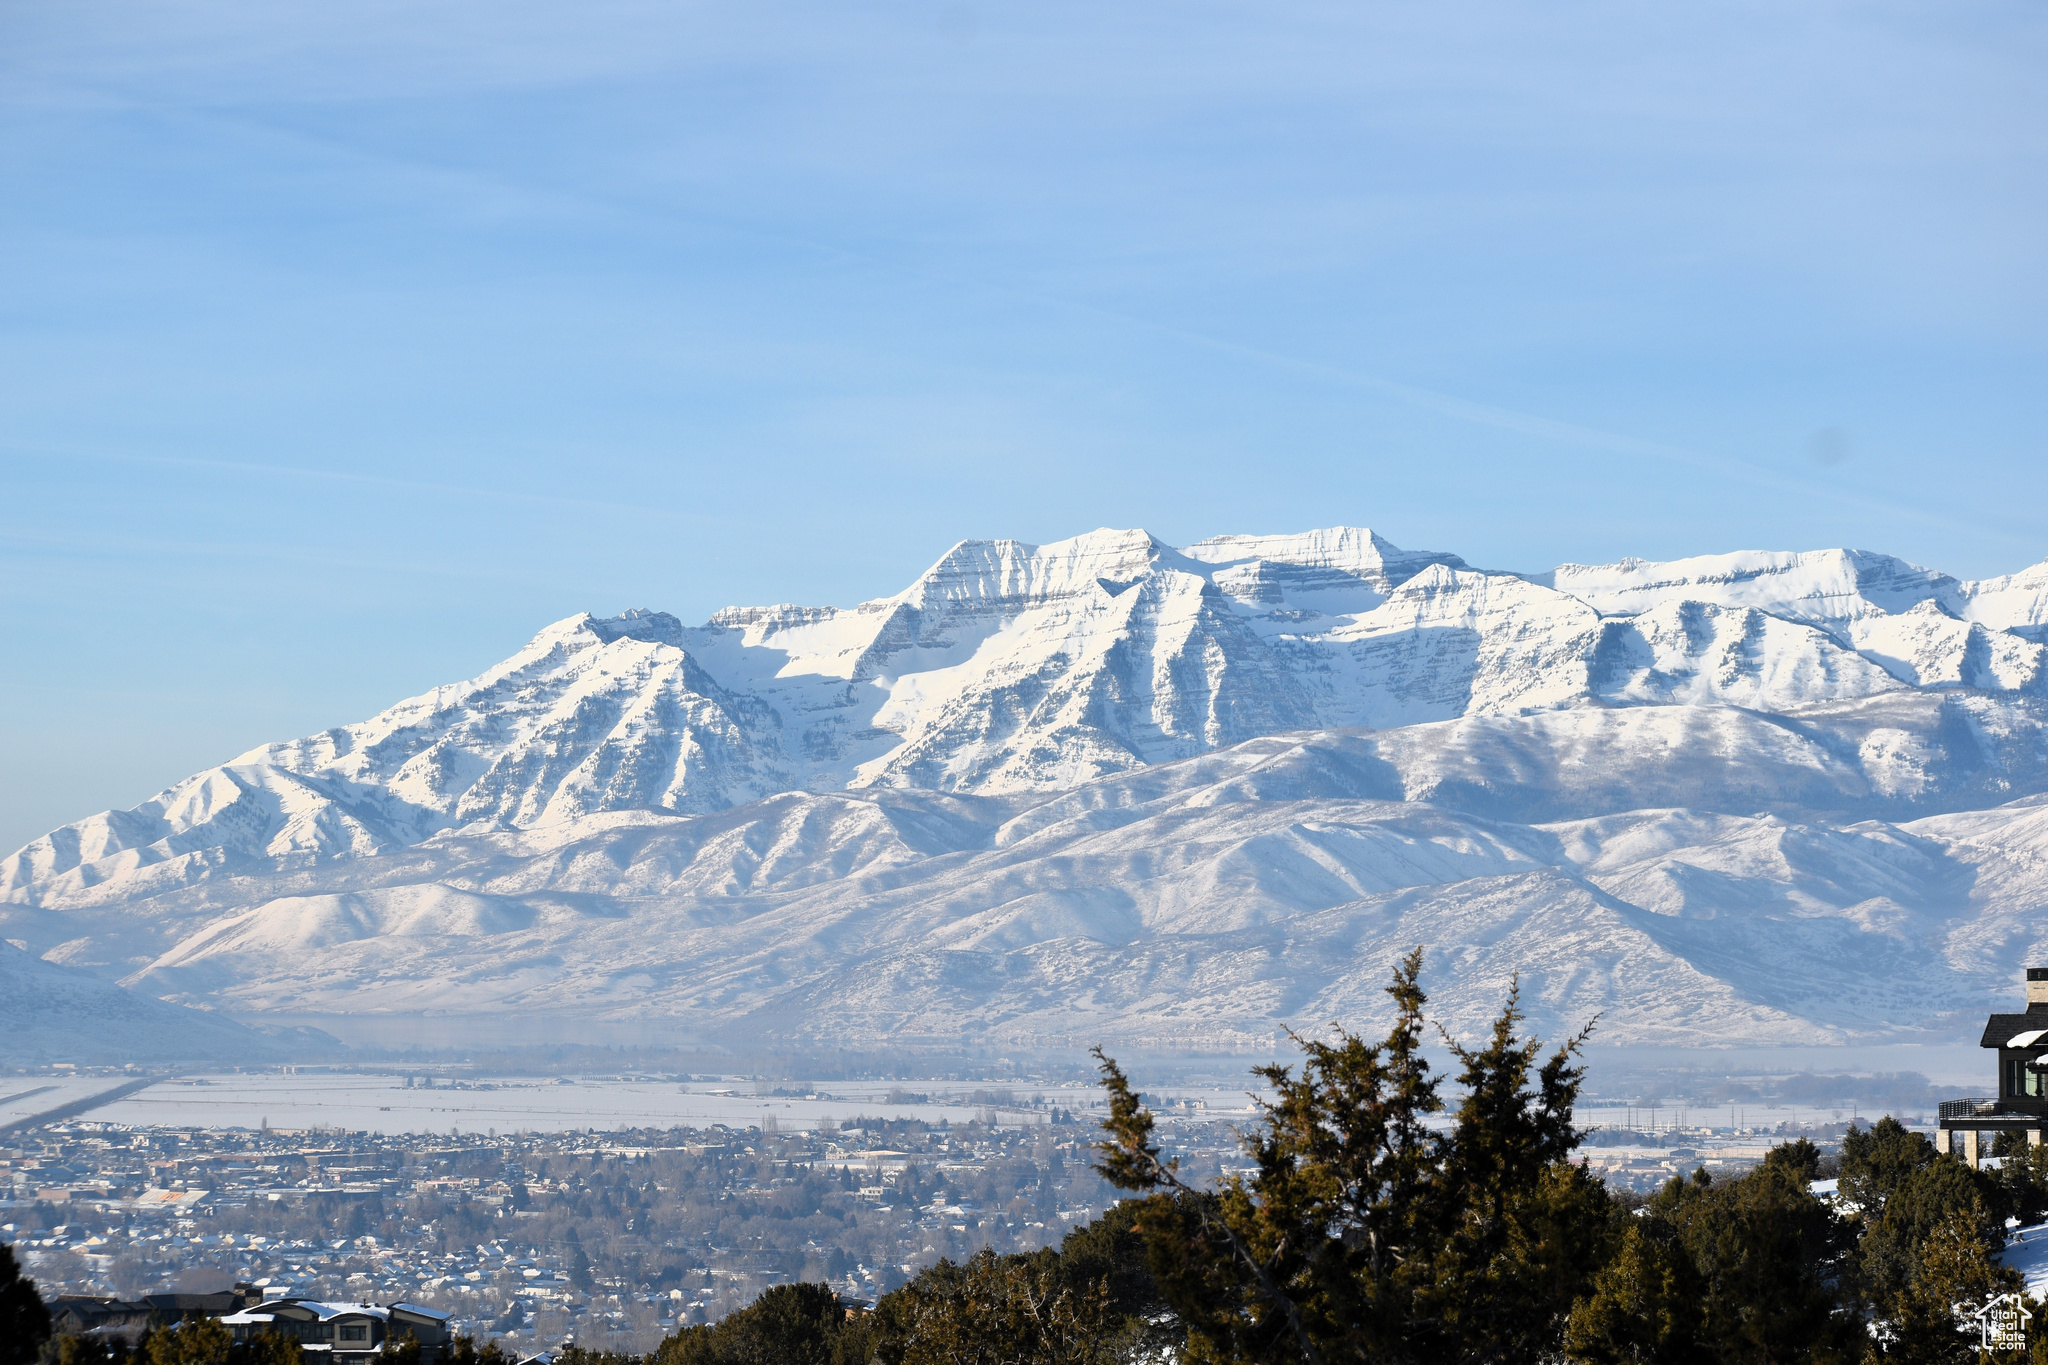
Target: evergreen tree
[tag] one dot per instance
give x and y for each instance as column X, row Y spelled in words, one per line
column 1800, row 1159
column 463, row 1350
column 1928, row 1322
column 1528, row 1228
column 271, row 1348
column 1877, row 1160
column 1645, row 1305
column 1927, row 1199
column 789, row 1324
column 1768, row 1257
column 202, row 1341
column 1110, row 1254
column 1361, row 1234
column 2022, row 1182
column 1010, row 1310
column 580, row 1273
column 93, row 1350
column 24, row 1321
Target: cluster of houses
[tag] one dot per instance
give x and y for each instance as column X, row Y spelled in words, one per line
column 340, row 1333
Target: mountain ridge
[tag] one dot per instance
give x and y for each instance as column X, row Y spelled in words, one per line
column 1026, row 693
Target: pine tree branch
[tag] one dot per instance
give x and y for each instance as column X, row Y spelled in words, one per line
column 1153, row 1171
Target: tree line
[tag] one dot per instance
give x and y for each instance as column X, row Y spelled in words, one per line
column 1367, row 1228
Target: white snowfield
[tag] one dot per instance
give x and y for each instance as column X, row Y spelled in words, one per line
column 1111, row 790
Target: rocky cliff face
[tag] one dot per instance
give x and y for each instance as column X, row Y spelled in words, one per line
column 1016, row 687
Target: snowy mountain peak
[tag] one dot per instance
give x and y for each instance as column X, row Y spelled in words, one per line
column 982, row 575
column 2013, row 602
column 1822, row 586
column 1170, row 793
column 1011, row 667
column 654, row 627
column 1330, row 558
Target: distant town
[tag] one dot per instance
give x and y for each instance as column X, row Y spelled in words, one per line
column 615, row 1239
column 610, row 1239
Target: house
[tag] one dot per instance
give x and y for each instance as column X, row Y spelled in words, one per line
column 77, row 1315
column 343, row 1333
column 81, row 1314
column 2021, row 1104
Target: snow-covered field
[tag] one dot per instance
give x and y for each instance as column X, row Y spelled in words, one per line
column 24, row 1097
column 398, row 1103
column 386, row 1104
column 1111, row 790
column 381, row 1104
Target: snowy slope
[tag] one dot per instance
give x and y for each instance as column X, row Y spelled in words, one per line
column 1198, row 903
column 1826, row 587
column 53, row 1013
column 1201, row 903
column 1170, row 793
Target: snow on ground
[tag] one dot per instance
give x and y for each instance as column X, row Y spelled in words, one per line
column 26, row 1096
column 385, row 1104
column 2026, row 1250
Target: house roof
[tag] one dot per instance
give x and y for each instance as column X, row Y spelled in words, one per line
column 324, row 1312
column 2005, row 1030
column 92, row 1308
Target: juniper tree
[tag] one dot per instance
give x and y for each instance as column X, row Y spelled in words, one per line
column 1877, row 1160
column 278, row 1348
column 464, row 1350
column 1644, row 1308
column 1008, row 1310
column 1362, row 1233
column 202, row 1341
column 1525, row 1226
column 1753, row 1270
column 1927, row 1320
column 24, row 1321
column 789, row 1324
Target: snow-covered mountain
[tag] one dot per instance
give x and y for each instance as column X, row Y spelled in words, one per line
column 55, row 1013
column 1110, row 785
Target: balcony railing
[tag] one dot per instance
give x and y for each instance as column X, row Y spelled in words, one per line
column 1978, row 1109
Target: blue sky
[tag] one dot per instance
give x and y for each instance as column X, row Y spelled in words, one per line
column 343, row 346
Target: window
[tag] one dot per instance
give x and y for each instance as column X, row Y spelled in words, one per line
column 356, row 1331
column 2027, row 1077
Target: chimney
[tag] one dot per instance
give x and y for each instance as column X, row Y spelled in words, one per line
column 2037, row 986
